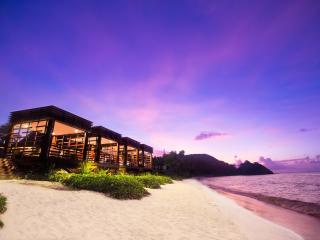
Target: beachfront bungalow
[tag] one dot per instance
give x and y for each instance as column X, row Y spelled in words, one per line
column 49, row 135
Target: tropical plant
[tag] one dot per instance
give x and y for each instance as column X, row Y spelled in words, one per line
column 87, row 167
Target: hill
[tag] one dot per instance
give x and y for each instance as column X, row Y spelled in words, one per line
column 204, row 165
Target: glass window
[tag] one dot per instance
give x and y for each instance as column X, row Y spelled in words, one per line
column 26, row 138
column 108, row 152
column 67, row 142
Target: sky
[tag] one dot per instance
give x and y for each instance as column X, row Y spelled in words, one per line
column 233, row 79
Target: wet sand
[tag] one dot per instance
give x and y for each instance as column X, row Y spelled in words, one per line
column 304, row 225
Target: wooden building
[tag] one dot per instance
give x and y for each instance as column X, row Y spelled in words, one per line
column 49, row 135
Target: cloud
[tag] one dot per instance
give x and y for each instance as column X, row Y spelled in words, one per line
column 206, row 135
column 305, row 129
column 305, row 164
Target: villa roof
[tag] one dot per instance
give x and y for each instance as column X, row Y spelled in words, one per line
column 131, row 142
column 50, row 112
column 105, row 132
column 146, row 148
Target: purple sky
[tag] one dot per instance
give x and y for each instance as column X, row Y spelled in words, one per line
column 238, row 78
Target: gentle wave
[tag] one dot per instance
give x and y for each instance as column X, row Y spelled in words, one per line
column 308, row 208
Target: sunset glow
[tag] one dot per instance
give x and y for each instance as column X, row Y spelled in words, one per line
column 235, row 80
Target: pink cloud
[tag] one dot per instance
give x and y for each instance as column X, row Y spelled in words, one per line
column 206, row 135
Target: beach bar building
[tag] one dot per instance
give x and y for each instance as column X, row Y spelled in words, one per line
column 49, row 135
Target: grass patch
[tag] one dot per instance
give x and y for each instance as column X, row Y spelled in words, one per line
column 58, row 176
column 3, row 208
column 153, row 181
column 118, row 186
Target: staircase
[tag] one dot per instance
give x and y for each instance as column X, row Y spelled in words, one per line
column 6, row 169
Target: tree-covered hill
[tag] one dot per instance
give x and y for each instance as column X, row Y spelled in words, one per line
column 204, row 165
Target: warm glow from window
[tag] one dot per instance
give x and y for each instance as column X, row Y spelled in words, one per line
column 61, row 129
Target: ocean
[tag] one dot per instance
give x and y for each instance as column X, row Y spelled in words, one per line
column 295, row 191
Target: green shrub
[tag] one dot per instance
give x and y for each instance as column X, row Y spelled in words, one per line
column 87, row 167
column 153, row 181
column 3, row 201
column 3, row 208
column 117, row 186
column 148, row 181
column 103, row 172
column 58, row 176
column 164, row 179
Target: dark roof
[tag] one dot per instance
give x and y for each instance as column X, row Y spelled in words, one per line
column 146, row 148
column 131, row 142
column 105, row 132
column 50, row 112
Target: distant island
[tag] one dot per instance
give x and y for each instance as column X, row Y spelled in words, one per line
column 298, row 165
column 193, row 165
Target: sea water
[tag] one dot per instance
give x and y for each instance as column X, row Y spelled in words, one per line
column 296, row 191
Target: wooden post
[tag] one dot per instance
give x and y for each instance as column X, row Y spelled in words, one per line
column 143, row 158
column 46, row 142
column 118, row 153
column 98, row 149
column 85, row 147
column 125, row 155
column 138, row 157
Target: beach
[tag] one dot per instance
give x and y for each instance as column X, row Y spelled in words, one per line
column 183, row 210
column 304, row 225
column 288, row 199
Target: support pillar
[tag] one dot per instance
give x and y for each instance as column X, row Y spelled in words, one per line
column 85, row 147
column 143, row 158
column 125, row 155
column 46, row 143
column 118, row 155
column 98, row 149
column 138, row 158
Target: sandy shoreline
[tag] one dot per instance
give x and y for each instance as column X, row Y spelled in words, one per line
column 183, row 210
column 305, row 225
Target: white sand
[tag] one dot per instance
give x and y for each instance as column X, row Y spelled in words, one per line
column 184, row 210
